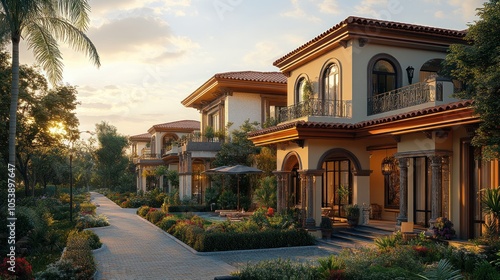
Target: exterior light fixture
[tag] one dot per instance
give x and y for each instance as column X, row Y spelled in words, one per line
column 409, row 71
column 388, row 166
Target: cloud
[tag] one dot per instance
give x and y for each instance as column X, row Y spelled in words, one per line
column 263, row 55
column 299, row 13
column 371, row 8
column 465, row 9
column 139, row 38
column 329, row 7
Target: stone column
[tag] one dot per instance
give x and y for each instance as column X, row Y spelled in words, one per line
column 303, row 184
column 310, row 222
column 436, row 187
column 403, row 191
column 446, row 186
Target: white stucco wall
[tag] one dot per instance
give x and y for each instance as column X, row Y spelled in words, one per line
column 242, row 106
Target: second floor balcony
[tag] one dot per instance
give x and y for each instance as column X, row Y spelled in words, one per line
column 316, row 107
column 434, row 90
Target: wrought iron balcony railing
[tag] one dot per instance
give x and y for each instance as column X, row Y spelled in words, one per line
column 316, row 107
column 403, row 97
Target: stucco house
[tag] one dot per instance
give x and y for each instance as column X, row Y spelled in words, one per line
column 368, row 111
column 149, row 148
column 225, row 102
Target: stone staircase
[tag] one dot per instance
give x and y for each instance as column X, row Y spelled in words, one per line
column 347, row 237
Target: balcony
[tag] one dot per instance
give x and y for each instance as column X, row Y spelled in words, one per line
column 317, row 108
column 434, row 90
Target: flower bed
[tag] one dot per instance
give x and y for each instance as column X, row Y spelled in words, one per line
column 256, row 232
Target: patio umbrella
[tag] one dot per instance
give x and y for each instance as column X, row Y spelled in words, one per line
column 214, row 170
column 239, row 169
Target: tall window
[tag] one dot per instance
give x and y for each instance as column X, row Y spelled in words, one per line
column 299, row 90
column 214, row 121
column 331, row 83
column 384, row 77
column 337, row 175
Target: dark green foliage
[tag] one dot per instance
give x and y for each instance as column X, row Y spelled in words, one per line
column 485, row 271
column 155, row 216
column 476, row 64
column 187, row 208
column 278, row 269
column 253, row 240
column 78, row 252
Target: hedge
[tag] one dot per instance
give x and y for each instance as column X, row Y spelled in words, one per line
column 203, row 241
column 186, row 208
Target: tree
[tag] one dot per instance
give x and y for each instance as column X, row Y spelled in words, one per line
column 477, row 65
column 42, row 24
column 40, row 109
column 111, row 162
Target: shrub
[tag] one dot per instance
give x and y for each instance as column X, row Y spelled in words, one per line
column 166, row 223
column 23, row 269
column 90, row 221
column 93, row 239
column 155, row 216
column 443, row 229
column 60, row 270
column 485, row 271
column 78, row 251
column 278, row 269
column 143, row 211
column 87, row 208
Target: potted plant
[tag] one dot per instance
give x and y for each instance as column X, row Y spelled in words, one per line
column 353, row 213
column 326, row 227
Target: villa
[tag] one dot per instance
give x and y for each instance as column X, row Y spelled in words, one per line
column 367, row 111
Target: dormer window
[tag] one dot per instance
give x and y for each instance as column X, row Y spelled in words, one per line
column 384, row 77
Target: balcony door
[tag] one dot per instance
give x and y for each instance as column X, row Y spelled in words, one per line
column 422, row 191
column 384, row 77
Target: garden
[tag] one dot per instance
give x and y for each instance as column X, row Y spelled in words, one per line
column 48, row 244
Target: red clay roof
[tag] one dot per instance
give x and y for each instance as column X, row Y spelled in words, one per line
column 141, row 137
column 184, row 124
column 272, row 77
column 325, row 125
column 375, row 23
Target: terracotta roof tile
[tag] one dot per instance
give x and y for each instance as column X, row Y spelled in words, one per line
column 141, row 137
column 184, row 124
column 273, row 77
column 348, row 126
column 352, row 20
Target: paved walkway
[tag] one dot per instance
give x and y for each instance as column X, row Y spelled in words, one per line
column 136, row 249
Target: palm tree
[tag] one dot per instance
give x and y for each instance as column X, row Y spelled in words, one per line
column 42, row 23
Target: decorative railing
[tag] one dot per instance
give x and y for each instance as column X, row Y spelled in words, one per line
column 316, row 107
column 407, row 96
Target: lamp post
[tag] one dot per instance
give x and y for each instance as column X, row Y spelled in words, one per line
column 71, row 175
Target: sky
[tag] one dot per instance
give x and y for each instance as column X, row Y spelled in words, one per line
column 154, row 53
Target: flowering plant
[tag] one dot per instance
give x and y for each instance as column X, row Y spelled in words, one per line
column 22, row 269
column 443, row 228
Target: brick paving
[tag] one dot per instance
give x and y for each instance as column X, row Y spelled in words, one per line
column 136, row 249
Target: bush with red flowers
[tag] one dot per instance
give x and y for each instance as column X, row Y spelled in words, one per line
column 22, row 269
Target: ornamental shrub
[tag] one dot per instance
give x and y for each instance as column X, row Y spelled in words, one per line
column 78, row 251
column 87, row 208
column 155, row 216
column 167, row 222
column 23, row 269
column 60, row 270
column 90, row 221
column 278, row 269
column 443, row 228
column 143, row 211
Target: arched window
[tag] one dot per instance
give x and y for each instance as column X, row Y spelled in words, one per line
column 299, row 90
column 331, row 83
column 384, row 76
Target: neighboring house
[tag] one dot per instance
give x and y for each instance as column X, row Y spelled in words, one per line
column 149, row 148
column 381, row 123
column 226, row 98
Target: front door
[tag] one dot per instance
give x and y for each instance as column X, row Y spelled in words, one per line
column 422, row 191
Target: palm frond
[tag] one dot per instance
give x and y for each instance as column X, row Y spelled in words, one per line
column 77, row 11
column 46, row 50
column 64, row 31
column 443, row 271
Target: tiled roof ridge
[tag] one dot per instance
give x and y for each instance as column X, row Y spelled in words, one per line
column 415, row 113
column 379, row 23
column 258, row 76
column 182, row 124
column 143, row 135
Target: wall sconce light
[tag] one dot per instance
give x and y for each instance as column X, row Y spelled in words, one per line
column 409, row 71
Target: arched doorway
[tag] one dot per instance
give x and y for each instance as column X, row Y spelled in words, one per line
column 293, row 190
column 337, row 187
column 430, row 68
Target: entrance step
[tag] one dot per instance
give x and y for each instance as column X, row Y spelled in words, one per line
column 360, row 236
